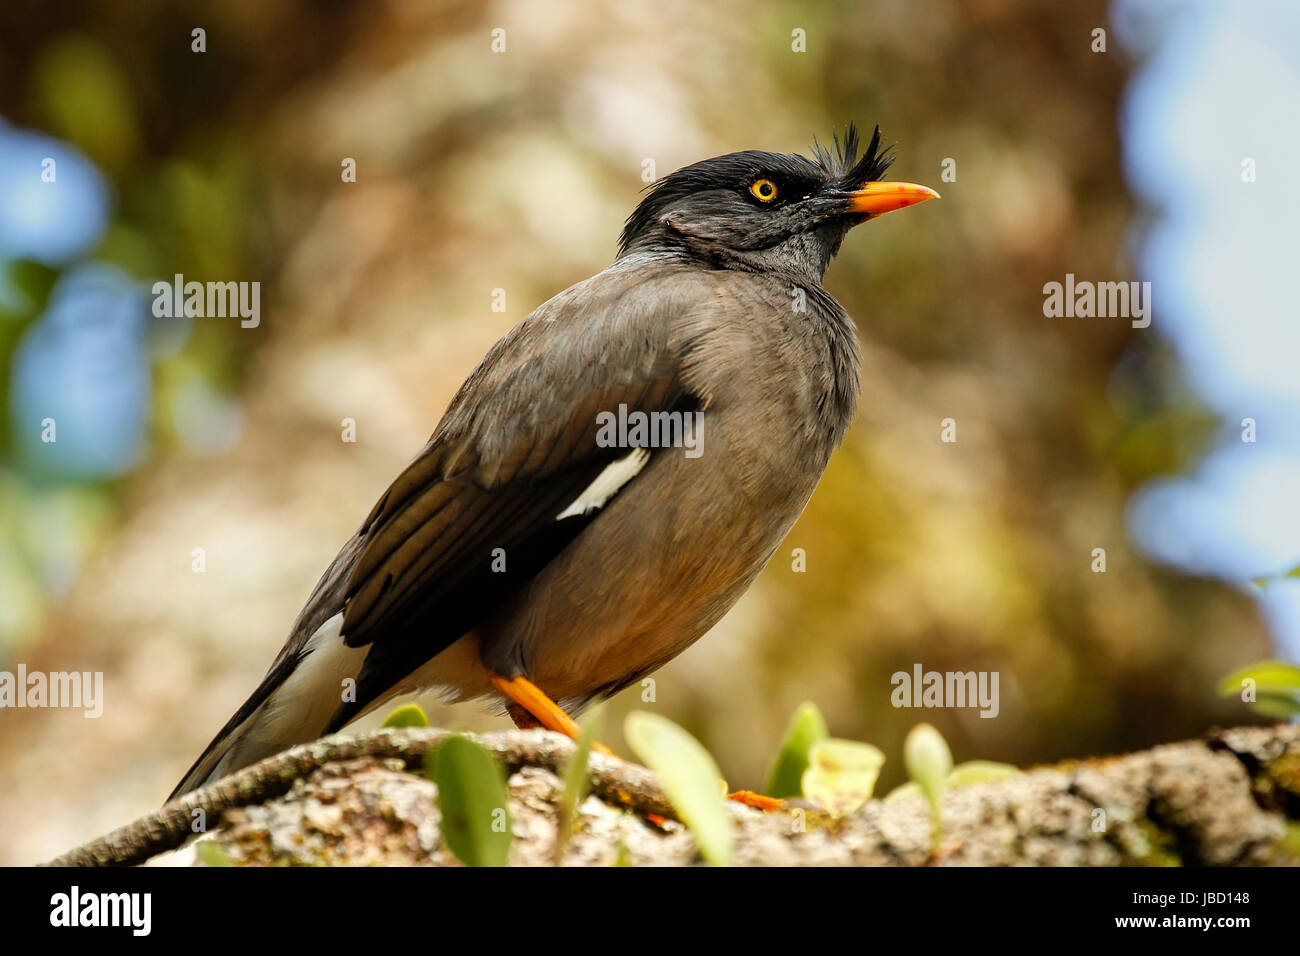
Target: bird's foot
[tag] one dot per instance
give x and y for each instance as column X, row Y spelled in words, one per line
column 530, row 708
column 522, row 718
column 756, row 800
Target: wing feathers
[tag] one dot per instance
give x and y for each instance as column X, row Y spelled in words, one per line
column 516, row 448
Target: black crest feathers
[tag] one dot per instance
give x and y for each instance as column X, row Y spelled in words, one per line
column 842, row 162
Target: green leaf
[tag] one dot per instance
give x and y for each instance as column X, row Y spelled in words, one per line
column 1279, row 707
column 904, row 791
column 209, row 854
column 806, row 727
column 689, row 777
column 963, row 775
column 841, row 775
column 980, row 771
column 1293, row 573
column 472, row 799
column 1274, row 685
column 1271, row 678
column 929, row 762
column 408, row 715
column 576, row 779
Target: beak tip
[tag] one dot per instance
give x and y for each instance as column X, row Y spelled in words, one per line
column 876, row 199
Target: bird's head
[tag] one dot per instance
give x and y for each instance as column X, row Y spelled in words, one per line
column 769, row 211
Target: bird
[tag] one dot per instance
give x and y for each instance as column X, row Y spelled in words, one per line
column 540, row 553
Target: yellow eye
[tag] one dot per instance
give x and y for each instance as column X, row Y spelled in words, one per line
column 763, row 190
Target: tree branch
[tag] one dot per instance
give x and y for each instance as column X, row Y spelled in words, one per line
column 169, row 827
column 1230, row 798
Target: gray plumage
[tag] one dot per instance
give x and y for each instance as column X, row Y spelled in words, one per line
column 714, row 305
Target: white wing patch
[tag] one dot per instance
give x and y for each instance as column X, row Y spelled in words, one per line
column 609, row 481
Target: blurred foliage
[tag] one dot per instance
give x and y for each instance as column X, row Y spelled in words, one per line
column 929, row 763
column 81, row 95
column 807, row 728
column 841, row 775
column 576, row 779
column 408, row 715
column 689, row 777
column 209, row 854
column 1270, row 687
column 186, row 207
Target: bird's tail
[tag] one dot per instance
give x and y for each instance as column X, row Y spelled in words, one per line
column 225, row 754
column 292, row 705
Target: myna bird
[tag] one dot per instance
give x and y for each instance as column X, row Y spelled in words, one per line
column 536, row 553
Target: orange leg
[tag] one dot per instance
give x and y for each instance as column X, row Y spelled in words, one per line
column 531, row 705
column 530, row 708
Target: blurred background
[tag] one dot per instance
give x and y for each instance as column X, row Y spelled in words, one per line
column 479, row 170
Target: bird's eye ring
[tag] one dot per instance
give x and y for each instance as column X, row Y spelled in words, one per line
column 764, row 190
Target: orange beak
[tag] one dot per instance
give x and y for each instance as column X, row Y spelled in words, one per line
column 876, row 199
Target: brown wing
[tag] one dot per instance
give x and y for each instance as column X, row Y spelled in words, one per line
column 516, row 447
